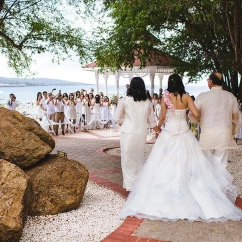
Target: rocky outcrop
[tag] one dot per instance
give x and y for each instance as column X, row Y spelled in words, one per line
column 15, row 199
column 58, row 185
column 22, row 141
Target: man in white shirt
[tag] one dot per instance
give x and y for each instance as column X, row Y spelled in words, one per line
column 12, row 103
column 43, row 101
column 220, row 119
column 59, row 114
column 50, row 107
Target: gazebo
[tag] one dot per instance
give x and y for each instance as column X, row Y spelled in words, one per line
column 160, row 66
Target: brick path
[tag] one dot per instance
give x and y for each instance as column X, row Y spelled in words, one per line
column 88, row 148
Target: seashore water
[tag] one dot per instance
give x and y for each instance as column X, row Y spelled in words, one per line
column 29, row 93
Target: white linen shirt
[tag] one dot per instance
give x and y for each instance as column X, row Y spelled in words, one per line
column 220, row 118
column 135, row 117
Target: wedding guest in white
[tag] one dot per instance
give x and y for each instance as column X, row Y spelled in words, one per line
column 39, row 110
column 177, row 180
column 71, row 110
column 86, row 111
column 134, row 113
column 78, row 100
column 97, row 107
column 50, row 107
column 105, row 114
column 155, row 100
column 158, row 109
column 220, row 119
column 43, row 101
column 59, row 114
column 12, row 103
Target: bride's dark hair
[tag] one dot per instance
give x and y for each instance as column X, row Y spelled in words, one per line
column 137, row 89
column 175, row 85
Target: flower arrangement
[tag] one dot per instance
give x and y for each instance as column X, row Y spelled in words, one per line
column 114, row 99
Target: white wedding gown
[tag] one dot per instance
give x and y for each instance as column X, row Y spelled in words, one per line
column 178, row 182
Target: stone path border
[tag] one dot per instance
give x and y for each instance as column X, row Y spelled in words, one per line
column 130, row 225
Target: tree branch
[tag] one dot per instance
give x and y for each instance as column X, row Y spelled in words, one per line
column 11, row 41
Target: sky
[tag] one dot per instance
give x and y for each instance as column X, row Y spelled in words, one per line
column 68, row 70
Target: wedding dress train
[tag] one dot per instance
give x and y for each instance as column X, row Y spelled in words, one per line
column 178, row 182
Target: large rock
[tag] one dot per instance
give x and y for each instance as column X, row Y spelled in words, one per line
column 58, row 185
column 15, row 199
column 22, row 141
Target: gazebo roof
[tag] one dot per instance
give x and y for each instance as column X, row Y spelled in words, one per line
column 160, row 59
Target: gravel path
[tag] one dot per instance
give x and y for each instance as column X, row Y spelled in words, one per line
column 234, row 166
column 95, row 219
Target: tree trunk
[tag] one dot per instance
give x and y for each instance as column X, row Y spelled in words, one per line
column 1, row 5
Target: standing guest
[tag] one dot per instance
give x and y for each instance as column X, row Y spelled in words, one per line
column 160, row 93
column 78, row 104
column 220, row 119
column 86, row 112
column 134, row 113
column 148, row 96
column 65, row 99
column 92, row 99
column 12, row 103
column 92, row 91
column 50, row 107
column 155, row 100
column 71, row 110
column 39, row 110
column 59, row 114
column 158, row 109
column 101, row 95
column 105, row 115
column 43, row 104
column 127, row 88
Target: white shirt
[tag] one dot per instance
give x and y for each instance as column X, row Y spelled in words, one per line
column 50, row 106
column 220, row 118
column 43, row 103
column 12, row 105
column 59, row 106
column 135, row 117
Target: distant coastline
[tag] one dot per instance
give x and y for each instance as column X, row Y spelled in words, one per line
column 23, row 82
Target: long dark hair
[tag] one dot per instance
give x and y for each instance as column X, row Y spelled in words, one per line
column 37, row 99
column 137, row 89
column 97, row 98
column 175, row 85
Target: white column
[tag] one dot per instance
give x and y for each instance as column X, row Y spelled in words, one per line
column 131, row 74
column 152, row 80
column 160, row 76
column 105, row 76
column 97, row 81
column 117, row 75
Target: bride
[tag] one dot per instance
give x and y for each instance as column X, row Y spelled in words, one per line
column 177, row 181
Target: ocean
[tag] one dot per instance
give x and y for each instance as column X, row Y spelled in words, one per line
column 29, row 93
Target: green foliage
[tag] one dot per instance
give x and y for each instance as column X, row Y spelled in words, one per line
column 194, row 32
column 37, row 26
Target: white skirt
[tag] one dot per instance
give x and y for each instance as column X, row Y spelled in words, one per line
column 132, row 157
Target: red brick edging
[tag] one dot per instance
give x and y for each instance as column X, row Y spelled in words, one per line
column 124, row 232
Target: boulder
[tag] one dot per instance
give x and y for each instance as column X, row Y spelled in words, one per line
column 58, row 185
column 15, row 199
column 22, row 141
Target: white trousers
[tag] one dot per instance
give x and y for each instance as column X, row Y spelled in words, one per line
column 132, row 157
column 219, row 156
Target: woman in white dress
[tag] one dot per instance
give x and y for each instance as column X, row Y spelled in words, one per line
column 39, row 109
column 177, row 181
column 86, row 111
column 134, row 113
column 71, row 110
column 105, row 115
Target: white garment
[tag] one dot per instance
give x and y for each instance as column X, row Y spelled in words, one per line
column 86, row 111
column 60, row 106
column 135, row 116
column 218, row 156
column 71, row 110
column 12, row 105
column 179, row 182
column 105, row 112
column 219, row 111
column 43, row 103
column 79, row 106
column 97, row 110
column 50, row 106
column 132, row 157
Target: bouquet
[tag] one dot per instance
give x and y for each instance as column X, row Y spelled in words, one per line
column 114, row 99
